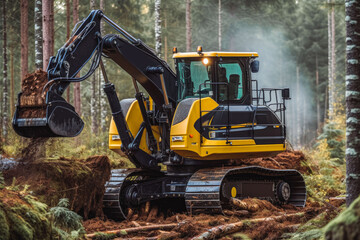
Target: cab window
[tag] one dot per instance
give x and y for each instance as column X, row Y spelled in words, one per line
column 192, row 76
column 231, row 75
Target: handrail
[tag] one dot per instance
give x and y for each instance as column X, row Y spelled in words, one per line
column 228, row 108
column 263, row 97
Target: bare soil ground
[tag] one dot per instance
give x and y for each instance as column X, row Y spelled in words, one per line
column 285, row 160
column 191, row 226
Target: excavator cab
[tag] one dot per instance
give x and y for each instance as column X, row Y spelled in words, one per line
column 206, row 75
column 220, row 114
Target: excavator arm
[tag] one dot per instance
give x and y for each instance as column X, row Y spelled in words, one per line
column 137, row 59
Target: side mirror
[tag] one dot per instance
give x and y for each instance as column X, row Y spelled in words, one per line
column 285, row 93
column 255, row 65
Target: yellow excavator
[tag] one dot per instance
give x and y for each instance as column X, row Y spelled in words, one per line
column 196, row 122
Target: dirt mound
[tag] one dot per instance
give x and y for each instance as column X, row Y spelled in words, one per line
column 81, row 181
column 285, row 160
column 32, row 100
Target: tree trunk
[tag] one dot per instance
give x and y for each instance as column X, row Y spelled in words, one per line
column 158, row 27
column 333, row 63
column 46, row 11
column 298, row 109
column 67, row 38
column 5, row 81
column 93, row 102
column 188, row 25
column 326, row 102
column 24, row 37
column 331, row 57
column 219, row 30
column 317, row 95
column 12, row 83
column 38, row 34
column 165, row 38
column 352, row 100
column 126, row 231
column 303, row 124
column 77, row 93
column 102, row 99
column 52, row 29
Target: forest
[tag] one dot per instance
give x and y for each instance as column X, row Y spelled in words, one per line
column 56, row 188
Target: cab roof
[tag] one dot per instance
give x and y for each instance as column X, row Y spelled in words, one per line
column 215, row 54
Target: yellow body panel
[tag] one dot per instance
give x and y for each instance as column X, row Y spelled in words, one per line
column 191, row 147
column 215, row 54
column 134, row 120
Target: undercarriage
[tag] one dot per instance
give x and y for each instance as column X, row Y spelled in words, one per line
column 207, row 190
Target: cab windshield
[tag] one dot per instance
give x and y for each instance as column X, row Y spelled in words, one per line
column 221, row 80
column 192, row 73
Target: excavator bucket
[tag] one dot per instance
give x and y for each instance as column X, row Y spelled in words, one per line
column 54, row 117
column 42, row 113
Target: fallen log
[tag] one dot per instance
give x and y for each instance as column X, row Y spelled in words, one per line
column 218, row 231
column 126, row 231
column 252, row 207
column 238, row 213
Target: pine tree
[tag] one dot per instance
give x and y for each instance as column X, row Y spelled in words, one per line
column 24, row 37
column 93, row 105
column 5, row 103
column 331, row 57
column 67, row 5
column 77, row 92
column 12, row 82
column 38, row 34
column 352, row 100
column 102, row 100
column 47, row 32
column 188, row 25
column 219, row 22
column 157, row 28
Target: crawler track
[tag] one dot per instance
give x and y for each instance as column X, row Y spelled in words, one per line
column 205, row 190
column 111, row 201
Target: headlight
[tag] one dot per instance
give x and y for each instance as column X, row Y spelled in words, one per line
column 177, row 139
column 115, row 137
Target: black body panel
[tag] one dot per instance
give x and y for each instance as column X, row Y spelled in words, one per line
column 244, row 122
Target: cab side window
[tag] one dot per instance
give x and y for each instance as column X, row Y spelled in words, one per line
column 231, row 74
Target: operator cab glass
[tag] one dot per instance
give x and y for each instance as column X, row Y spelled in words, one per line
column 220, row 79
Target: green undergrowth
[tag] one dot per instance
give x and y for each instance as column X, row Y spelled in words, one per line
column 22, row 216
column 327, row 161
column 328, row 175
column 325, row 226
column 346, row 225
